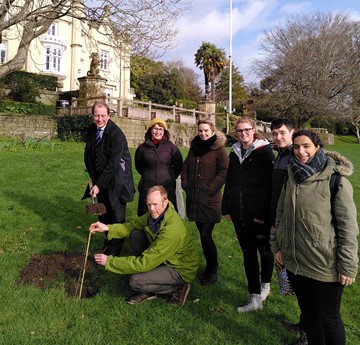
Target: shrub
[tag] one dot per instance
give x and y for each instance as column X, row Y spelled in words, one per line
column 187, row 104
column 25, row 87
column 13, row 107
column 73, row 127
column 44, row 82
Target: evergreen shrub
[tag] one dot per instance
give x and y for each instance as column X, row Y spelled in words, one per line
column 73, row 127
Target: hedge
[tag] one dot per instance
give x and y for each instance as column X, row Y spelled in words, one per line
column 73, row 127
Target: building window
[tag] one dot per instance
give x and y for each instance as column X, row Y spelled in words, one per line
column 52, row 29
column 53, row 60
column 2, row 53
column 104, row 60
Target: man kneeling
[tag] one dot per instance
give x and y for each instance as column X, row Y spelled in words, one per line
column 164, row 261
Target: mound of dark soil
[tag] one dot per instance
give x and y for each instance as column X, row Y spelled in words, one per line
column 45, row 270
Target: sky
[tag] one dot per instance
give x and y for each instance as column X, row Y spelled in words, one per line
column 208, row 20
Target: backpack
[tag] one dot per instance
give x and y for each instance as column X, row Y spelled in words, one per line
column 334, row 188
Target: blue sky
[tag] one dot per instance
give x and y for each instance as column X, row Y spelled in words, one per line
column 208, row 20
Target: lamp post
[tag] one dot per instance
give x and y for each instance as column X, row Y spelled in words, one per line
column 230, row 71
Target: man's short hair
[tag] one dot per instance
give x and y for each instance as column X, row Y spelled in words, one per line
column 161, row 189
column 100, row 104
column 277, row 123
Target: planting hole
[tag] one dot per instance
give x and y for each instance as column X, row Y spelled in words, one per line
column 61, row 269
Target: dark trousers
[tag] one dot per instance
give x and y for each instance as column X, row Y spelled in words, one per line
column 319, row 303
column 162, row 280
column 208, row 245
column 253, row 239
column 113, row 215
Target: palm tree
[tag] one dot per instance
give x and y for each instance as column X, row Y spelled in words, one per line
column 212, row 61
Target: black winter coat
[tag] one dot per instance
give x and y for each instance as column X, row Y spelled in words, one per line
column 115, row 173
column 247, row 189
column 202, row 178
column 159, row 165
column 279, row 175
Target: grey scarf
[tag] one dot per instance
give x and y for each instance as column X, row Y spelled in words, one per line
column 303, row 171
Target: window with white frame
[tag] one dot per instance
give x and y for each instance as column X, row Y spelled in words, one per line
column 53, row 59
column 52, row 31
column 104, row 60
column 2, row 53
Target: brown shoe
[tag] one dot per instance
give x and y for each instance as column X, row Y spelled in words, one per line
column 179, row 296
column 140, row 298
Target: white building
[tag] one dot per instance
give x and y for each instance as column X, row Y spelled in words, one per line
column 65, row 50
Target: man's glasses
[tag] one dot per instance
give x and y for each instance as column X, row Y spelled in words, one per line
column 246, row 130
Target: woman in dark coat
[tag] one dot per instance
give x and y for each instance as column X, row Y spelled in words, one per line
column 158, row 161
column 202, row 178
column 246, row 203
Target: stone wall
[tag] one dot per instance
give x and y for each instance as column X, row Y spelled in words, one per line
column 135, row 130
column 27, row 126
column 39, row 127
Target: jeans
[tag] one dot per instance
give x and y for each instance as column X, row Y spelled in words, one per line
column 162, row 280
column 253, row 239
column 320, row 309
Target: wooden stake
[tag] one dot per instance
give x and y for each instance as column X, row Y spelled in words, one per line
column 84, row 269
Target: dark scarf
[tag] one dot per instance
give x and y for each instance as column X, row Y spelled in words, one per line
column 154, row 224
column 303, row 171
column 201, row 147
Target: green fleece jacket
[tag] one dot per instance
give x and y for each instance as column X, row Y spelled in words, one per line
column 172, row 246
column 305, row 233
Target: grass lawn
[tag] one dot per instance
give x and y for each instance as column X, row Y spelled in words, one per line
column 42, row 212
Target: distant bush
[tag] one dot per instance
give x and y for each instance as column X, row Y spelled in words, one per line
column 25, row 87
column 13, row 107
column 73, row 127
column 188, row 104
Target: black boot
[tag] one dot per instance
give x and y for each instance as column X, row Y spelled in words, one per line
column 209, row 276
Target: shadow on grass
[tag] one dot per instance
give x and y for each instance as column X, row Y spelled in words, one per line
column 64, row 219
column 346, row 139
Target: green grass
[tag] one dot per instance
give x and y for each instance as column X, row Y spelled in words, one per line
column 41, row 212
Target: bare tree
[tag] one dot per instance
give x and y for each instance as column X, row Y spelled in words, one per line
column 147, row 26
column 189, row 78
column 311, row 64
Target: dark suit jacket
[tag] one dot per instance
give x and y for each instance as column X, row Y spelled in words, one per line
column 114, row 158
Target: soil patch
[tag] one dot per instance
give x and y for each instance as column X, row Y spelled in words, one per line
column 49, row 270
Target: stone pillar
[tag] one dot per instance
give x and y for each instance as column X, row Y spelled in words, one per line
column 91, row 86
column 208, row 107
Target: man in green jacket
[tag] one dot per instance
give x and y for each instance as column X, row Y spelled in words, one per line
column 164, row 260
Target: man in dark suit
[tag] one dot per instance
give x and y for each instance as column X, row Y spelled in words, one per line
column 108, row 162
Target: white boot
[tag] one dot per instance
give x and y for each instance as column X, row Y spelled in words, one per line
column 265, row 291
column 254, row 303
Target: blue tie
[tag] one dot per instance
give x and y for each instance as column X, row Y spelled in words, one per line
column 97, row 142
column 98, row 137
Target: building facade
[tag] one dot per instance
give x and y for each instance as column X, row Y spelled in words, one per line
column 65, row 52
